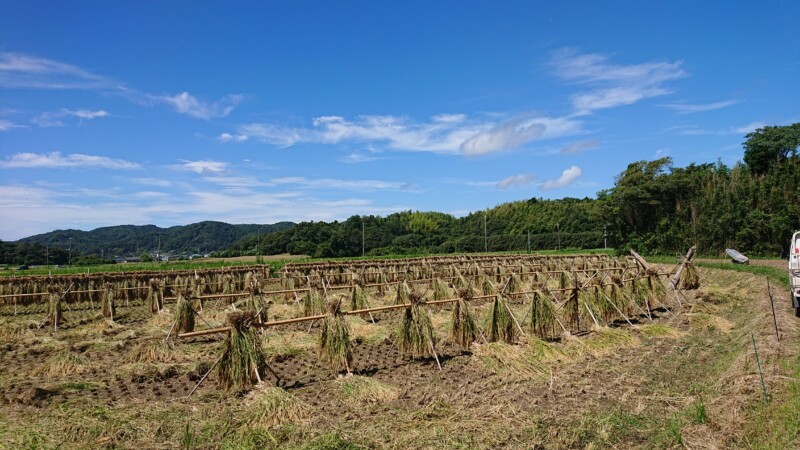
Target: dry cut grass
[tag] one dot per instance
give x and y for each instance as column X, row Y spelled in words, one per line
column 62, row 365
column 659, row 330
column 603, row 341
column 358, row 390
column 710, row 322
column 535, row 360
column 270, row 407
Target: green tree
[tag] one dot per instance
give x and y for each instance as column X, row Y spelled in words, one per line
column 769, row 146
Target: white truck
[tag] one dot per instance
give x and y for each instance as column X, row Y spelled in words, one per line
column 794, row 272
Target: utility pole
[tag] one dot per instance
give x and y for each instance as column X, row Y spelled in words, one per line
column 529, row 241
column 558, row 227
column 485, row 238
column 605, row 237
column 363, row 248
column 70, row 251
column 258, row 245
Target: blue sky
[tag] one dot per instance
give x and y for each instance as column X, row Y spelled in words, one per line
column 170, row 113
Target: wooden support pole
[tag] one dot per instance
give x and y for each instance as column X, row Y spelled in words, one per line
column 205, row 332
column 687, row 259
column 639, row 259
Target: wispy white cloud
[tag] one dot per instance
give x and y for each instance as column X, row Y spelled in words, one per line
column 288, row 180
column 150, row 194
column 359, row 157
column 18, row 71
column 749, row 128
column 203, row 166
column 53, row 118
column 185, row 103
column 150, row 181
column 237, row 181
column 694, row 130
column 687, row 108
column 86, row 113
column 55, row 160
column 349, row 185
column 515, row 181
column 271, row 134
column 516, row 132
column 227, row 137
column 612, row 97
column 444, row 133
column 612, row 85
column 31, row 72
column 568, row 176
column 577, row 147
column 609, row 84
column 7, row 125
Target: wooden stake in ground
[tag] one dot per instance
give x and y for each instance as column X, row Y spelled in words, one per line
column 641, row 261
column 686, row 260
column 108, row 302
column 155, row 296
column 55, row 314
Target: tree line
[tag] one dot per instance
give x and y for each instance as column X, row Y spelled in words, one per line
column 134, row 240
column 653, row 206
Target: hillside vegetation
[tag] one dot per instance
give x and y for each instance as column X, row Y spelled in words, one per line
column 654, row 206
column 199, row 237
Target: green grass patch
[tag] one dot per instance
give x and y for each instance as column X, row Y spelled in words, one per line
column 776, row 425
column 77, row 386
column 148, row 266
column 275, row 265
column 778, row 275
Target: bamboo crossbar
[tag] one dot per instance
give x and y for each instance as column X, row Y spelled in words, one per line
column 349, row 286
column 204, row 332
column 354, row 312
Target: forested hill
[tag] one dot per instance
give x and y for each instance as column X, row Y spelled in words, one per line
column 199, row 237
column 507, row 226
column 653, row 207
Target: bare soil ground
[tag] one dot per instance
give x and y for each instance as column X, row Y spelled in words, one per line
column 688, row 379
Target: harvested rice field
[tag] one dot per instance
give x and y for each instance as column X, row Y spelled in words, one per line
column 516, row 351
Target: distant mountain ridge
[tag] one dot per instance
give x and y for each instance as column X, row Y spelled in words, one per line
column 201, row 237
